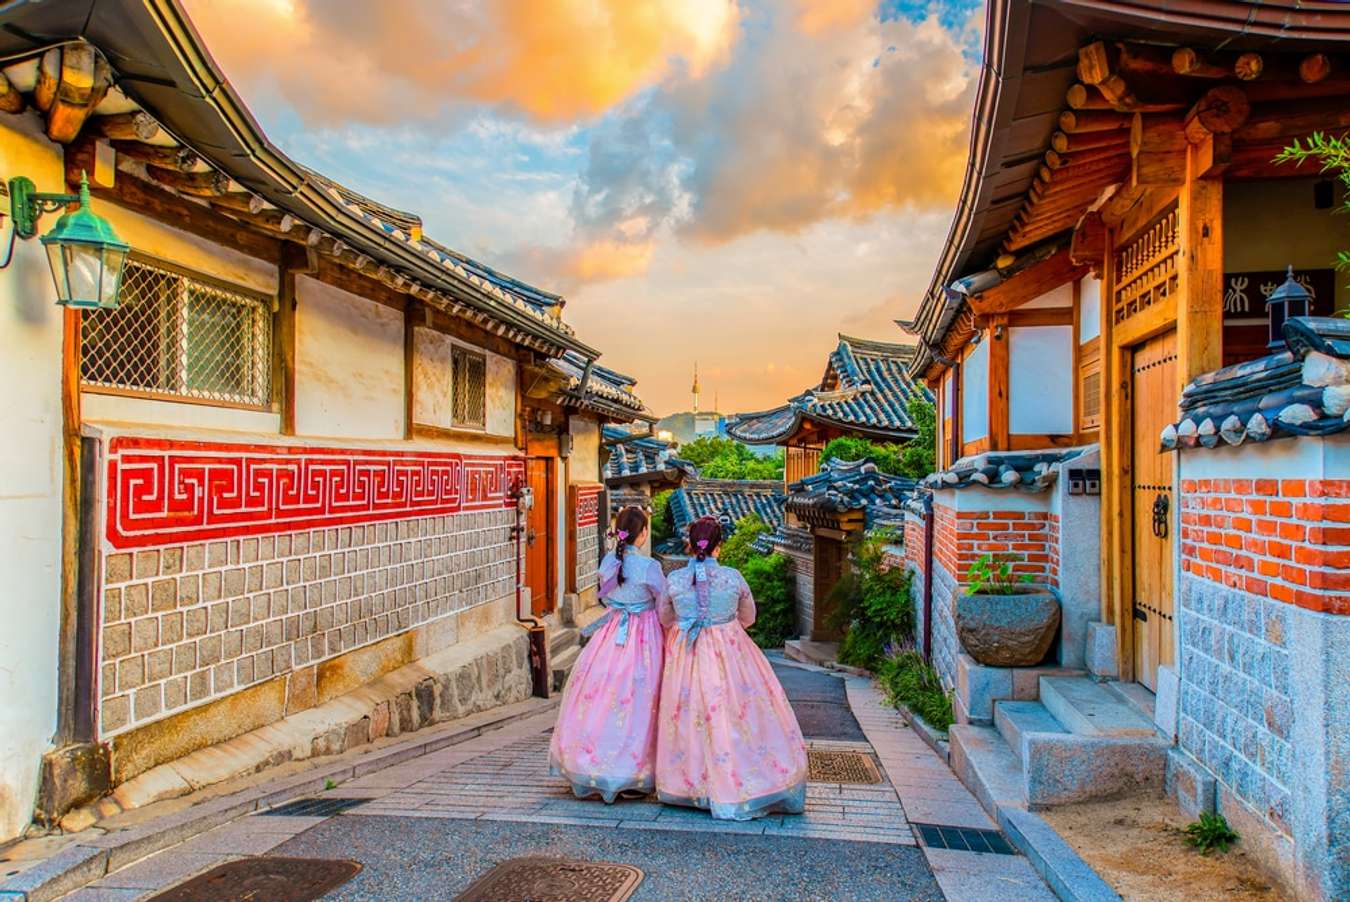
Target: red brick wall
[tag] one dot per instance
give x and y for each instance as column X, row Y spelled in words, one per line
column 1283, row 539
column 962, row 538
column 914, row 542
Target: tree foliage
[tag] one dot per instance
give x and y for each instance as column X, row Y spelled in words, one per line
column 872, row 603
column 738, row 548
column 662, row 527
column 724, row 458
column 914, row 459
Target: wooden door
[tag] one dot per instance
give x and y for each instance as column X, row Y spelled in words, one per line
column 540, row 529
column 830, row 558
column 1153, row 400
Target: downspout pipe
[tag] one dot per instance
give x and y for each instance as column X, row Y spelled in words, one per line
column 928, row 579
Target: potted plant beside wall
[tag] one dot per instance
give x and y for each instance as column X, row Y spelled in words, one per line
column 1003, row 620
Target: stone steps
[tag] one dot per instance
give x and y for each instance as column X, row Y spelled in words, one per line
column 1082, row 741
column 561, row 666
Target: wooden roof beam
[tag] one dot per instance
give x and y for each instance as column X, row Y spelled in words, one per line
column 1063, row 142
column 1281, row 121
column 11, row 101
column 179, row 158
column 84, row 77
column 1026, row 285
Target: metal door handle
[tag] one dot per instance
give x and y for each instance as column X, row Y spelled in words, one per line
column 529, row 536
column 1160, row 506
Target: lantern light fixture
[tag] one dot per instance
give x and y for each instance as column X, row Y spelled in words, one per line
column 86, row 255
column 1289, row 300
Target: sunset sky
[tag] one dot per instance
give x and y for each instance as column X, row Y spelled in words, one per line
column 727, row 181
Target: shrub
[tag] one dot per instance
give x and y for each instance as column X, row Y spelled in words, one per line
column 872, row 603
column 907, row 680
column 775, row 620
column 1209, row 833
column 662, row 527
column 737, row 549
column 915, row 458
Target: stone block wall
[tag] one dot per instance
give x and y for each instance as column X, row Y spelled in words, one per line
column 795, row 544
column 1263, row 632
column 1236, row 711
column 225, row 566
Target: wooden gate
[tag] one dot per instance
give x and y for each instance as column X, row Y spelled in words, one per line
column 830, row 558
column 541, row 559
column 1153, row 403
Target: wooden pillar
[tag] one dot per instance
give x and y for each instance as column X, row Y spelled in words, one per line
column 71, row 515
column 1200, row 272
column 294, row 261
column 1000, row 337
column 1115, row 407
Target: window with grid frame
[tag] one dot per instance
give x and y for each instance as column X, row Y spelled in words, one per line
column 469, row 389
column 180, row 336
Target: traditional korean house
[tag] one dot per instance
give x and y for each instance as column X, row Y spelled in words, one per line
column 864, row 393
column 834, row 507
column 268, row 443
column 638, row 466
column 1132, row 404
column 728, row 500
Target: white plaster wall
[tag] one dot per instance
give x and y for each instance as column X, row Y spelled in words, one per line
column 1307, row 457
column 1090, row 317
column 501, row 395
column 30, row 488
column 584, row 464
column 148, row 236
column 1040, row 359
column 1057, row 297
column 348, row 363
column 117, row 409
column 975, row 394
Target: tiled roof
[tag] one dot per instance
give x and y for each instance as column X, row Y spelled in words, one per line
column 866, row 388
column 728, row 500
column 608, row 391
column 842, row 486
column 1031, row 471
column 1304, row 390
column 642, row 458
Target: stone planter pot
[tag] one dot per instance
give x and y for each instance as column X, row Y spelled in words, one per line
column 1007, row 630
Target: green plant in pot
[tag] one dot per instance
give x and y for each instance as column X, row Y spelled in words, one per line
column 1003, row 619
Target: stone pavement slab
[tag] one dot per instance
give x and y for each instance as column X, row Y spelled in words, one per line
column 441, row 860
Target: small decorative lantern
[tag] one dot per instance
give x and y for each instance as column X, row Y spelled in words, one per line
column 1291, row 299
column 85, row 253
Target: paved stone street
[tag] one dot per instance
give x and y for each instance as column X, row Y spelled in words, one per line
column 434, row 824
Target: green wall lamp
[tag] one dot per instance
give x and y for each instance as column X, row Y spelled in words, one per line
column 84, row 251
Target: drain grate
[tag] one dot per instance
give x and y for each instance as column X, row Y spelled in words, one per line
column 964, row 839
column 320, row 807
column 840, row 767
column 554, row 880
column 273, row 879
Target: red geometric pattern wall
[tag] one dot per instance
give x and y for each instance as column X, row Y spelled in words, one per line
column 165, row 492
column 588, row 504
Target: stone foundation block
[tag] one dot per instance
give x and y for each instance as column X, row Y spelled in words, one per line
column 1167, row 702
column 979, row 686
column 71, row 776
column 1101, row 651
column 1064, row 768
column 1189, row 783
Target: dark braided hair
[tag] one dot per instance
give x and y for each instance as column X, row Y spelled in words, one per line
column 708, row 531
column 632, row 521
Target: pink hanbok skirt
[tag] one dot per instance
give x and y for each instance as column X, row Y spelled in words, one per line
column 728, row 740
column 605, row 739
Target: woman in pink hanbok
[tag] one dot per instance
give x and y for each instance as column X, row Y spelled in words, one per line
column 605, row 739
column 728, row 740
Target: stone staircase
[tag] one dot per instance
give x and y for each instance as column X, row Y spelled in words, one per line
column 1081, row 740
column 564, row 647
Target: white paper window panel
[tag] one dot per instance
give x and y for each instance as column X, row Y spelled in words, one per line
column 1061, row 296
column 975, row 394
column 1040, row 380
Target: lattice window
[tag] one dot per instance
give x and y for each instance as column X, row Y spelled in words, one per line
column 1146, row 268
column 174, row 335
column 470, row 388
column 1092, row 397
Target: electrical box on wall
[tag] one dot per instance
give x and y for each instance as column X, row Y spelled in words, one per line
column 1085, row 482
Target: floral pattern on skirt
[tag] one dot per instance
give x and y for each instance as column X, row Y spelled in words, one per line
column 605, row 739
column 728, row 739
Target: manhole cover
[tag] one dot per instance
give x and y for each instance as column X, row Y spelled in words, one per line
column 255, row 879
column 840, row 767
column 321, row 807
column 554, row 880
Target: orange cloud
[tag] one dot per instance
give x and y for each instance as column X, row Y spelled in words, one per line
column 601, row 261
column 343, row 60
column 818, row 16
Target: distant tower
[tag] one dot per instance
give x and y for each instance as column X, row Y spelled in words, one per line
column 695, row 388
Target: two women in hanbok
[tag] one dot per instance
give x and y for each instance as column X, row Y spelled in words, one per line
column 700, row 717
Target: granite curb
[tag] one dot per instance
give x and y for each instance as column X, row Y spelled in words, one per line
column 1067, row 874
column 85, row 861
